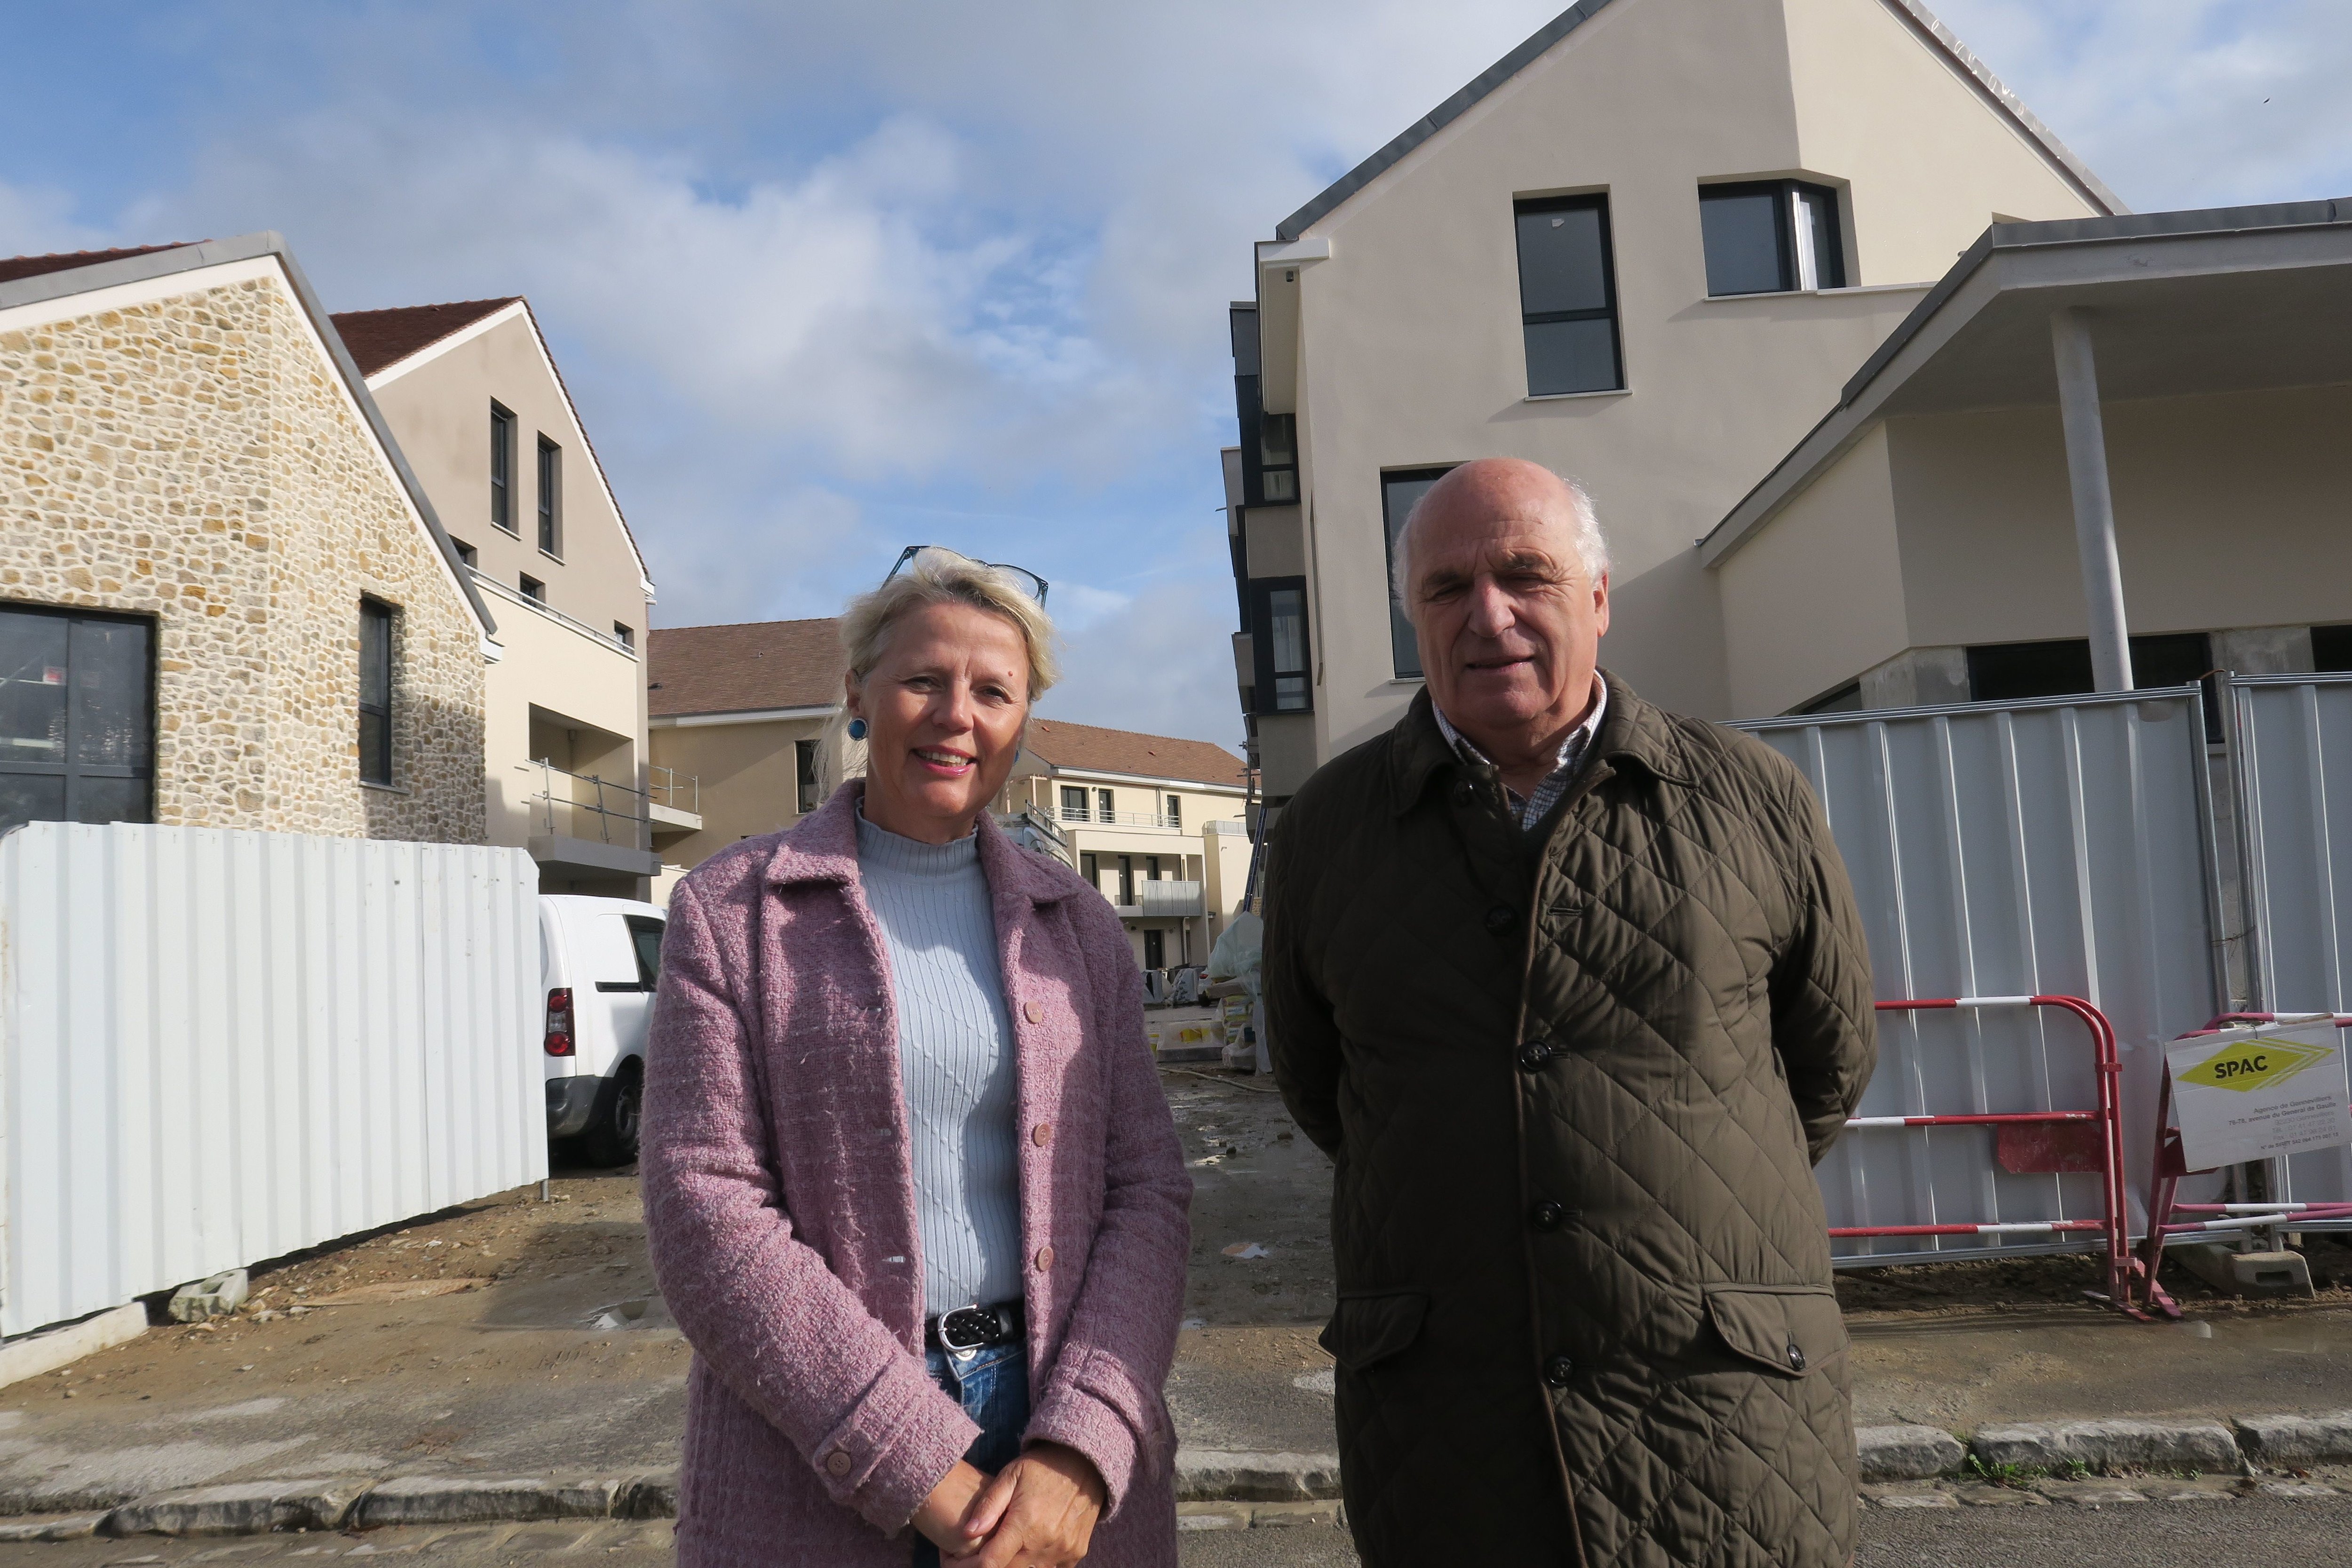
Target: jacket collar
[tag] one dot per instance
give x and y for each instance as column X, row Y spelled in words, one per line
column 1631, row 730
column 823, row 847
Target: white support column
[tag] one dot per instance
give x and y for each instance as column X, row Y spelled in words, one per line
column 2094, row 507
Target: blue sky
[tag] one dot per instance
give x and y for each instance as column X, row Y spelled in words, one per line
column 830, row 279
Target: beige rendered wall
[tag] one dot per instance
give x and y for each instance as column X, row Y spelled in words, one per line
column 439, row 408
column 1870, row 89
column 1411, row 347
column 560, row 672
column 1816, row 598
column 2232, row 511
column 189, row 454
column 748, row 775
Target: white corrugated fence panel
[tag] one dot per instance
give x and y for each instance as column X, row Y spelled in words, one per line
column 2048, row 847
column 2297, row 827
column 218, row 1047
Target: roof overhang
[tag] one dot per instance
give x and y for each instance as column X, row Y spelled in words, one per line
column 742, row 715
column 133, row 274
column 2180, row 304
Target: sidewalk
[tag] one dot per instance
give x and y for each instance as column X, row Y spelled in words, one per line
column 555, row 1386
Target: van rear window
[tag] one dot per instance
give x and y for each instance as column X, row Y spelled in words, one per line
column 645, row 935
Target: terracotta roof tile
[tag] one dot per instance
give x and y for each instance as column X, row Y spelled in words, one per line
column 1085, row 748
column 14, row 267
column 379, row 338
column 743, row 667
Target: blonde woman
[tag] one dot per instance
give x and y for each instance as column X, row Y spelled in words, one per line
column 911, row 1187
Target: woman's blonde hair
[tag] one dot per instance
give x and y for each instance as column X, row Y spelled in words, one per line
column 934, row 577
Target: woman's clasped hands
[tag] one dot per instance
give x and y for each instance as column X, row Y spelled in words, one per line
column 1039, row 1511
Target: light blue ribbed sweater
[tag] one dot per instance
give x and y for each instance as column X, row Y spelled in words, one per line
column 956, row 1065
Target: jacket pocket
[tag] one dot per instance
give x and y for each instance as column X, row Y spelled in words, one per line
column 1791, row 1329
column 1369, row 1327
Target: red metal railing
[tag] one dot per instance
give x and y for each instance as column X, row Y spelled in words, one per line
column 2039, row 1142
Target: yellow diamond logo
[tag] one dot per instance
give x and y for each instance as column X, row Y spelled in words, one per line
column 2259, row 1063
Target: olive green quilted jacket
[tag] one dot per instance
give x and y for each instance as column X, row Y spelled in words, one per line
column 1574, row 1081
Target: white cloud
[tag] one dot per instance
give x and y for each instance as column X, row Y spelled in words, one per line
column 36, row 220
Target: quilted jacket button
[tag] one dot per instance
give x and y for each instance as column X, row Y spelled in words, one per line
column 1559, row 1370
column 1501, row 918
column 1796, row 1357
column 838, row 1463
column 1534, row 1055
column 1546, row 1216
column 1464, row 793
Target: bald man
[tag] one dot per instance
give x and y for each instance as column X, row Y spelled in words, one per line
column 1574, row 992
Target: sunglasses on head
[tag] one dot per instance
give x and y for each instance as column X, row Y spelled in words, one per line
column 1033, row 585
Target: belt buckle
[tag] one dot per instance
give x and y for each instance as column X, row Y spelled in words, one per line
column 968, row 1329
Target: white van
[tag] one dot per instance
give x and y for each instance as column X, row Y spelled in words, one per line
column 597, row 962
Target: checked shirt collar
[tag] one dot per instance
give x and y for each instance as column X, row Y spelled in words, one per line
column 1532, row 809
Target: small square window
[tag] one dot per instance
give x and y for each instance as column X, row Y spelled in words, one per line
column 1771, row 236
column 467, row 554
column 533, row 589
column 624, row 634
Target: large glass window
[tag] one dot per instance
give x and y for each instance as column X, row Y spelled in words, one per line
column 1400, row 493
column 1279, row 644
column 77, row 718
column 502, row 465
column 1771, row 236
column 375, row 691
column 1567, row 296
column 1074, row 803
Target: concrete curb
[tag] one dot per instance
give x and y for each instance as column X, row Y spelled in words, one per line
column 30, row 1355
column 1210, row 1476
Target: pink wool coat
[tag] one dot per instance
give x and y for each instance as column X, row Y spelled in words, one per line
column 779, row 1206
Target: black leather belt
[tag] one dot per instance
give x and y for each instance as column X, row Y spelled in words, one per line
column 975, row 1327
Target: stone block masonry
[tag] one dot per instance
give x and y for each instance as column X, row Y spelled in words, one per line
column 193, row 460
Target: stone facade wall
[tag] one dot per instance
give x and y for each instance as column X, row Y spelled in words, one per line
column 192, row 460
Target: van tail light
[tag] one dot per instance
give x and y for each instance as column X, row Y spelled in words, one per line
column 559, row 1021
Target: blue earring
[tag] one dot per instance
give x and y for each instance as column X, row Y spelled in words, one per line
column 857, row 728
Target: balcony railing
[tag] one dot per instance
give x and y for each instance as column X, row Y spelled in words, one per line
column 586, row 806
column 1033, row 829
column 679, row 794
column 1101, row 818
column 499, row 589
column 1165, row 900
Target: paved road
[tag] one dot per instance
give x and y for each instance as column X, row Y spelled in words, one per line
column 2257, row 1532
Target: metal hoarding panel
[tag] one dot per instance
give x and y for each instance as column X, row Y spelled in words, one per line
column 218, row 1047
column 2295, row 827
column 2048, row 847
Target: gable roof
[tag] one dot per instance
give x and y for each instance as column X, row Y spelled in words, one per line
column 86, row 272
column 748, row 667
column 1922, row 21
column 1085, row 748
column 12, row 268
column 380, row 338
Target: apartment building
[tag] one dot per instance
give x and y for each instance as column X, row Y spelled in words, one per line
column 743, row 710
column 749, row 711
column 226, row 600
column 1158, row 824
column 490, row 431
column 1647, row 249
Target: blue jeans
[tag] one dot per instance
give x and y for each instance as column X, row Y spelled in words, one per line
column 993, row 1385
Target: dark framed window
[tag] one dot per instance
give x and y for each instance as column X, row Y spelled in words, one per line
column 804, row 774
column 1771, row 236
column 1090, row 867
column 2331, row 649
column 1074, row 803
column 1846, row 699
column 76, row 717
column 1155, row 947
column 1279, row 642
column 375, row 691
column 502, row 468
column 1176, row 811
column 1567, row 296
column 1106, row 806
column 1127, row 881
column 533, row 589
column 550, row 497
column 2012, row 672
column 467, row 554
column 624, row 634
column 1277, row 466
column 1400, row 493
